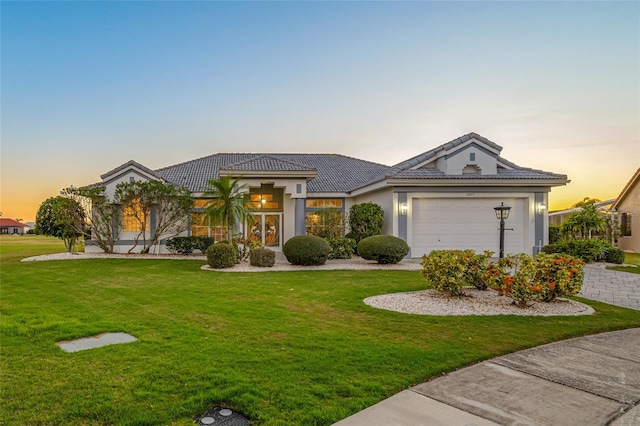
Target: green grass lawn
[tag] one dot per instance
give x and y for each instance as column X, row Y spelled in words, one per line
column 285, row 348
column 629, row 259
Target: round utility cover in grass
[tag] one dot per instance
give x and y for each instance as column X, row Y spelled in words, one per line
column 219, row 416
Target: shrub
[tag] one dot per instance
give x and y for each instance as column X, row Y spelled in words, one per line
column 365, row 220
column 589, row 250
column 445, row 270
column 202, row 243
column 262, row 257
column 615, row 255
column 550, row 248
column 555, row 233
column 181, row 245
column 559, row 275
column 341, row 248
column 476, row 268
column 221, row 255
column 306, row 250
column 383, row 249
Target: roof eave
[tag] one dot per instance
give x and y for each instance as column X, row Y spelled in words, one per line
column 627, row 188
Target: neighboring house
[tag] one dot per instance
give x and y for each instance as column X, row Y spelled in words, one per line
column 627, row 205
column 559, row 216
column 441, row 199
column 11, row 227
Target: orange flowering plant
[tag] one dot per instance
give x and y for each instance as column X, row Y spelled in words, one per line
column 476, row 268
column 544, row 277
column 559, row 275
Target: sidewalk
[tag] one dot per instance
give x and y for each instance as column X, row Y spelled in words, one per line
column 586, row 381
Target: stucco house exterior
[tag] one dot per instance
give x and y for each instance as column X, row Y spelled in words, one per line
column 11, row 227
column 443, row 198
column 627, row 205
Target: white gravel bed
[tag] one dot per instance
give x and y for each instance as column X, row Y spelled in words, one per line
column 78, row 256
column 474, row 302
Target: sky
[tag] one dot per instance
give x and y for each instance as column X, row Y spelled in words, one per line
column 87, row 86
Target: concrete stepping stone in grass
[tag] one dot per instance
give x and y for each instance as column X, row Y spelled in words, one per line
column 104, row 339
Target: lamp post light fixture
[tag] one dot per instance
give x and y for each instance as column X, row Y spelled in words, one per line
column 502, row 213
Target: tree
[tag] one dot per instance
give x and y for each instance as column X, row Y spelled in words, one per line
column 365, row 220
column 229, row 203
column 61, row 217
column 103, row 216
column 584, row 221
column 170, row 205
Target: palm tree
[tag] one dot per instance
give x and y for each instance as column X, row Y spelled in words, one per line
column 229, row 203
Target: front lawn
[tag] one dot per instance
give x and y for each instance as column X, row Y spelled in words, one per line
column 285, row 348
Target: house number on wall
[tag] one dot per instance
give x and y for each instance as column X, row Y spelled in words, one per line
column 471, row 194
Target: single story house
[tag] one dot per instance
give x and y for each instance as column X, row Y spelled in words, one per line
column 443, row 198
column 11, row 227
column 627, row 206
column 559, row 216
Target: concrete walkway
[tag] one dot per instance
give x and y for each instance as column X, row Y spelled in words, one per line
column 586, row 381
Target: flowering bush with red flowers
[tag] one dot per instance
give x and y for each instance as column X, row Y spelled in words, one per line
column 559, row 275
column 476, row 268
column 522, row 277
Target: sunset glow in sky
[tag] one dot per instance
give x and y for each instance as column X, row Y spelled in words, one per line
column 87, row 86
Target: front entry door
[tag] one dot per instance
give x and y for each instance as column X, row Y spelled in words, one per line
column 267, row 228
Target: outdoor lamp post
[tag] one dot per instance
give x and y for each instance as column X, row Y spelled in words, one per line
column 502, row 213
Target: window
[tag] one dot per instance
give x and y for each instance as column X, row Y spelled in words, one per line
column 625, row 224
column 132, row 217
column 266, row 198
column 472, row 156
column 320, row 204
column 200, row 225
column 325, row 223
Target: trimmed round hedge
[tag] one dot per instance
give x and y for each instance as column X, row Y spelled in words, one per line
column 262, row 257
column 383, row 249
column 221, row 255
column 306, row 250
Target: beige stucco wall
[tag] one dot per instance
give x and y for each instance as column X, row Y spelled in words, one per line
column 631, row 204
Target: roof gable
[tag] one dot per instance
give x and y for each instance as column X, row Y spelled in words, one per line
column 129, row 165
column 627, row 188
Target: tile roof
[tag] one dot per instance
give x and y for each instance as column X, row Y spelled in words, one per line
column 336, row 173
column 268, row 163
column 10, row 222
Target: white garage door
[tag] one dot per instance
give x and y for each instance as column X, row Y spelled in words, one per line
column 463, row 223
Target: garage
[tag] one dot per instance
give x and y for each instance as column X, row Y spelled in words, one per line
column 466, row 223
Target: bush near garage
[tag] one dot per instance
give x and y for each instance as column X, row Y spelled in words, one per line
column 445, row 270
column 221, row 255
column 262, row 257
column 522, row 277
column 384, row 249
column 306, row 250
